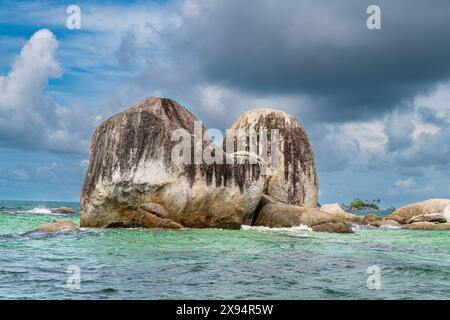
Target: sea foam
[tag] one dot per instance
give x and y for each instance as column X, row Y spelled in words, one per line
column 40, row 210
column 260, row 228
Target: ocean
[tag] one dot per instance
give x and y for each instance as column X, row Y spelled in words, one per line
column 253, row 263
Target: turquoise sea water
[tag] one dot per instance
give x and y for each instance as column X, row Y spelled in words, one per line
column 254, row 263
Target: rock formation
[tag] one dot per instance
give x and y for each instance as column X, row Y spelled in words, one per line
column 406, row 213
column 293, row 176
column 56, row 226
column 429, row 217
column 335, row 227
column 276, row 214
column 133, row 180
column 65, row 210
column 427, row 226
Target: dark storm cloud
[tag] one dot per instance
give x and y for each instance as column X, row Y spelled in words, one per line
column 321, row 49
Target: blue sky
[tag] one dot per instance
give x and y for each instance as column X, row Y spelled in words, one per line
column 375, row 103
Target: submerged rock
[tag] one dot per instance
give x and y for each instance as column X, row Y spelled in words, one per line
column 131, row 166
column 56, row 226
column 335, row 227
column 293, row 176
column 386, row 223
column 63, row 210
column 406, row 213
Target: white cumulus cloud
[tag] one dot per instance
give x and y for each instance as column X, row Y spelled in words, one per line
column 28, row 116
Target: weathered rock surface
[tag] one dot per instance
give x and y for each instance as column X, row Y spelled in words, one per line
column 293, row 179
column 131, row 166
column 336, row 210
column 406, row 213
column 427, row 226
column 156, row 209
column 280, row 215
column 56, row 226
column 335, row 227
column 370, row 219
column 63, row 210
column 429, row 217
column 333, row 208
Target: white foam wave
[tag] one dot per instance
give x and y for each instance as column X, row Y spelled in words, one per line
column 40, row 210
column 259, row 228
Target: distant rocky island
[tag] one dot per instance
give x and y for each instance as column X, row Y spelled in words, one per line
column 136, row 179
column 362, row 205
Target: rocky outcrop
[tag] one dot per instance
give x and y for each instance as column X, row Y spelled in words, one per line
column 143, row 219
column 333, row 208
column 430, row 217
column 336, row 210
column 406, row 213
column 386, row 223
column 65, row 210
column 427, row 226
column 292, row 176
column 275, row 214
column 133, row 180
column 280, row 215
column 56, row 226
column 334, row 227
column 370, row 219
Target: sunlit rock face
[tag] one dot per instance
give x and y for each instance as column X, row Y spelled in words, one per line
column 406, row 213
column 293, row 178
column 132, row 168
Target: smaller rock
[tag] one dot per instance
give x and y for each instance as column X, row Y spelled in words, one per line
column 370, row 219
column 66, row 210
column 333, row 208
column 430, row 217
column 408, row 212
column 336, row 210
column 387, row 223
column 280, row 215
column 57, row 226
column 337, row 227
column 356, row 219
column 428, row 226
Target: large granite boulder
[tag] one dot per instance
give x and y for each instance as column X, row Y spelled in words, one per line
column 292, row 178
column 406, row 213
column 134, row 180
